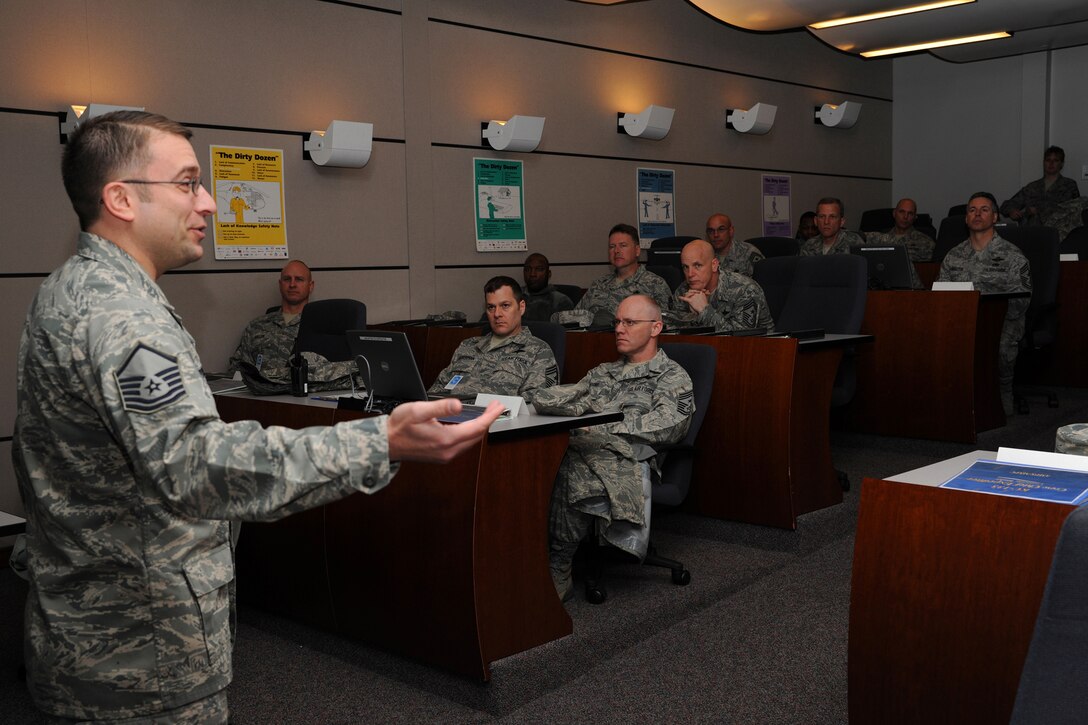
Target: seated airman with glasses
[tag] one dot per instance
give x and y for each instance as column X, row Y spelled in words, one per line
column 603, row 485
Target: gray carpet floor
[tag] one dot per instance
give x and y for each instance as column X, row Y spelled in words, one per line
column 759, row 636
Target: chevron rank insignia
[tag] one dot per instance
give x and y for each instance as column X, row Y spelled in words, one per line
column 149, row 380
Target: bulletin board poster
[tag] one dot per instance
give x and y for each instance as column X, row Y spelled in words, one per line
column 656, row 205
column 500, row 205
column 776, row 206
column 247, row 184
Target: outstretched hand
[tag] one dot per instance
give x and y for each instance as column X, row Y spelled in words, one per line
column 415, row 435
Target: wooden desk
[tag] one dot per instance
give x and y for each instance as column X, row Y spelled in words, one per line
column 945, row 589
column 1066, row 364
column 447, row 564
column 932, row 371
column 764, row 448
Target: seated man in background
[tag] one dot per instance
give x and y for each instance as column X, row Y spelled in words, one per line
column 506, row 361
column 806, row 227
column 272, row 335
column 598, row 305
column 833, row 238
column 263, row 355
column 542, row 299
column 735, row 256
column 903, row 234
column 993, row 265
column 602, row 483
column 717, row 297
column 1035, row 202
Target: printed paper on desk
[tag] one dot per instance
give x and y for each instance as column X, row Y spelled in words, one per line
column 1055, row 485
column 953, row 286
column 514, row 403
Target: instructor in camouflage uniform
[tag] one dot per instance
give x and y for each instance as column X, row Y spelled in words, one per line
column 717, row 297
column 128, row 476
column 993, row 265
column 601, row 478
column 506, row 361
column 598, row 305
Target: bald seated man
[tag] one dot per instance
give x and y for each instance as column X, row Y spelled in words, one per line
column 919, row 245
column 717, row 297
column 733, row 255
column 271, row 336
column 603, row 483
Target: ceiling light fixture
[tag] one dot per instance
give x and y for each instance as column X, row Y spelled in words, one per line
column 935, row 44
column 887, row 14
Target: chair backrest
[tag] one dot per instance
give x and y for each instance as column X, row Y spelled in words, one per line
column 876, row 220
column 323, row 324
column 1052, row 681
column 700, row 362
column 1041, row 247
column 1076, row 242
column 776, row 246
column 672, row 275
column 552, row 333
column 823, row 291
column 957, row 210
column 924, row 224
column 666, row 251
column 953, row 231
column 571, row 290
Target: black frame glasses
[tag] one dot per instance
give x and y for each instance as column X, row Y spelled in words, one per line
column 191, row 184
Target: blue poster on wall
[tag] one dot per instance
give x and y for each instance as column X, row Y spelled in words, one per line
column 656, row 205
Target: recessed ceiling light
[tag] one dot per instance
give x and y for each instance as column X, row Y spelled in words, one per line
column 887, row 14
column 934, row 44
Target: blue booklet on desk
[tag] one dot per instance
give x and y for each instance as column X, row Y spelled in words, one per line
column 1012, row 479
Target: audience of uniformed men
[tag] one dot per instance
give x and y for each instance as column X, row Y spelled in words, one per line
column 716, row 297
column 833, row 237
column 733, row 255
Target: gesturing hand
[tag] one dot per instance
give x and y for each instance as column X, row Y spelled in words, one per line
column 415, row 435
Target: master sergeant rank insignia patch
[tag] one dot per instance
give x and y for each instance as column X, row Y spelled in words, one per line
column 149, row 380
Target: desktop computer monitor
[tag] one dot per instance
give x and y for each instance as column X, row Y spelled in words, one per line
column 889, row 266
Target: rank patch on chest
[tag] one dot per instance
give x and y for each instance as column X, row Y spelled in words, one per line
column 149, row 380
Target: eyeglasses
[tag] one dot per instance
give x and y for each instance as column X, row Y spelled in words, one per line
column 191, row 184
column 628, row 323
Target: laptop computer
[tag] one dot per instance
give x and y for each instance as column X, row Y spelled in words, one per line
column 889, row 266
column 388, row 368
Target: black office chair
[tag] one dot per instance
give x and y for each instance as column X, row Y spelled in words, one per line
column 553, row 334
column 573, row 291
column 1076, row 242
column 953, row 231
column 323, row 324
column 1041, row 246
column 1052, row 682
column 877, row 220
column 672, row 275
column 924, row 224
column 666, row 251
column 776, row 246
column 676, row 462
column 957, row 210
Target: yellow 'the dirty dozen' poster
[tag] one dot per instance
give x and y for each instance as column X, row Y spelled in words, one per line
column 248, row 187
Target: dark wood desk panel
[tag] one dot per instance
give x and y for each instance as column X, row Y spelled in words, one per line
column 447, row 564
column 927, row 272
column 945, row 589
column 932, row 370
column 765, row 455
column 1066, row 364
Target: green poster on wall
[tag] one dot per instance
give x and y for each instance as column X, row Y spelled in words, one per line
column 500, row 205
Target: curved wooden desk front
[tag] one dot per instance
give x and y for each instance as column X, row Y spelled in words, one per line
column 447, row 564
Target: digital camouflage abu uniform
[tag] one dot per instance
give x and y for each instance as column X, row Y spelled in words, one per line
column 741, row 258
column 1000, row 267
column 129, row 477
column 606, row 293
column 1072, row 439
column 600, row 478
column 843, row 241
column 263, row 356
column 737, row 303
column 514, row 365
column 540, row 306
column 919, row 245
column 1044, row 200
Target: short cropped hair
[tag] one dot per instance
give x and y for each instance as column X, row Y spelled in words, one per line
column 104, row 149
column 1056, row 151
column 984, row 195
column 626, row 229
column 496, row 283
column 833, row 200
